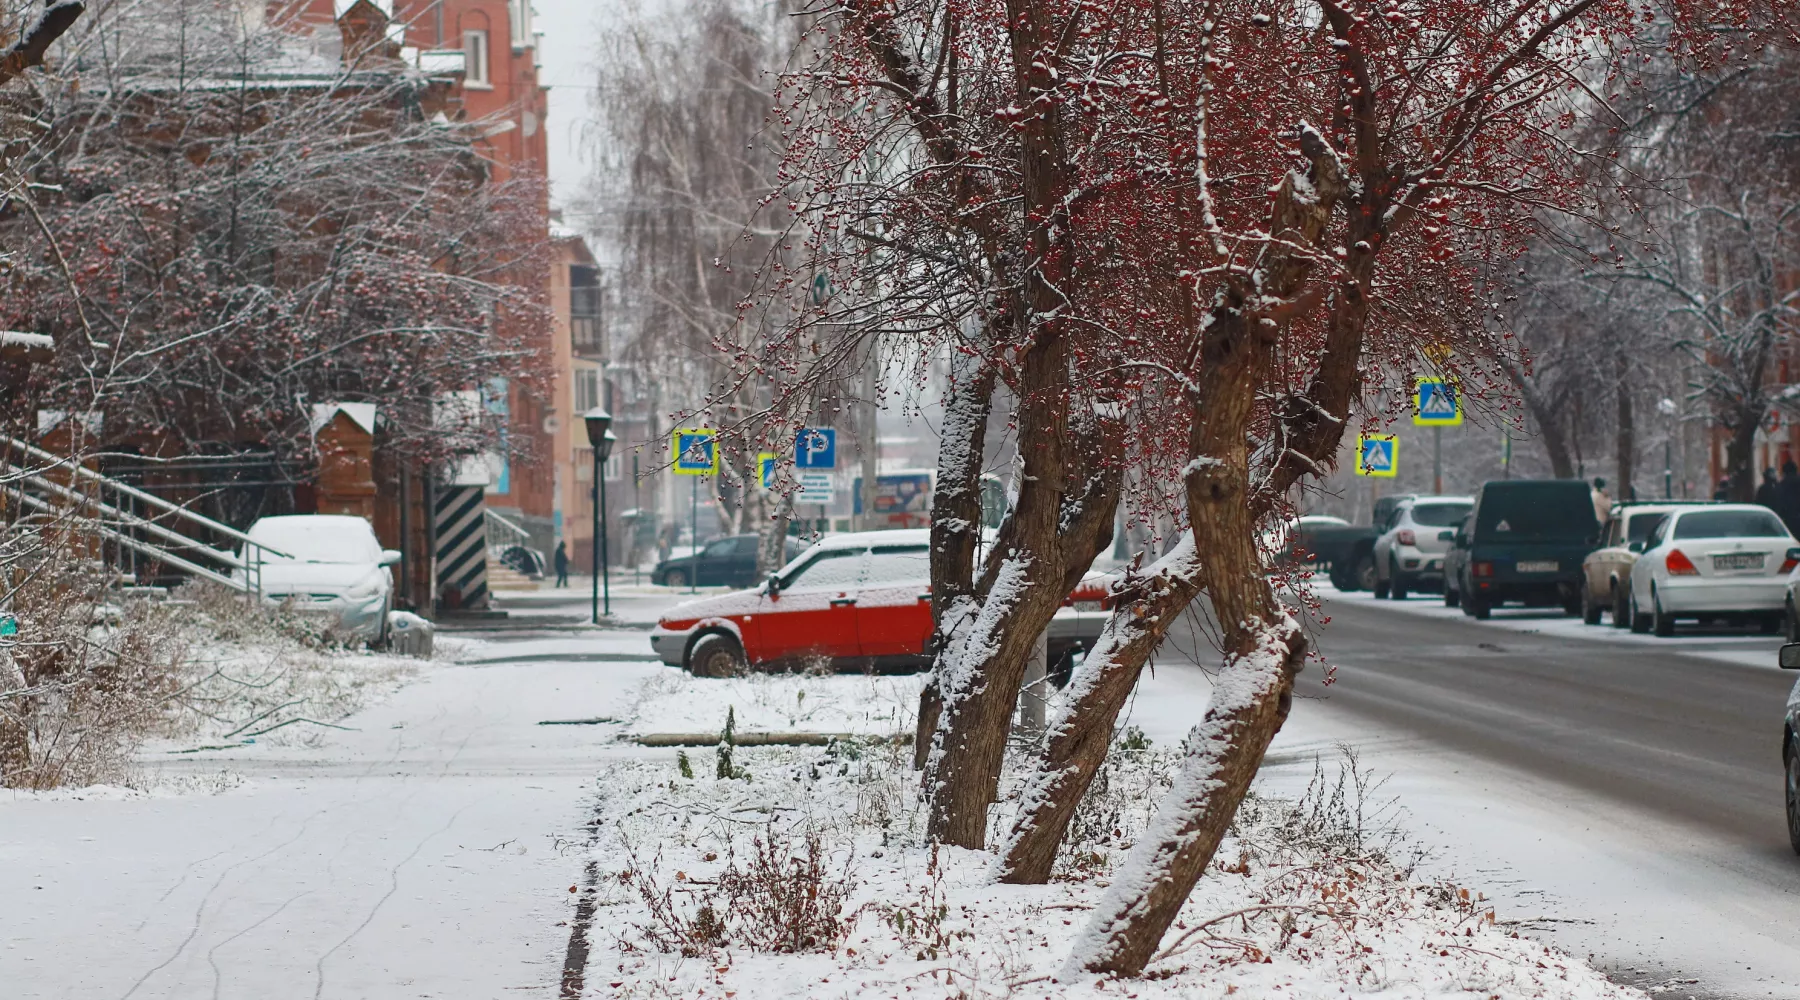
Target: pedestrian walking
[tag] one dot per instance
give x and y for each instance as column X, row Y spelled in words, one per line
column 1769, row 493
column 1787, row 493
column 561, row 559
column 1602, row 501
column 1723, row 491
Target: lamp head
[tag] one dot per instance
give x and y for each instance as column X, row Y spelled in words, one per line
column 598, row 423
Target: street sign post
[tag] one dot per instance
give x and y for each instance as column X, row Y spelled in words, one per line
column 1378, row 455
column 1436, row 404
column 696, row 451
column 815, row 448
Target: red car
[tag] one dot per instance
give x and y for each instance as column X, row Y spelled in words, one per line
column 862, row 601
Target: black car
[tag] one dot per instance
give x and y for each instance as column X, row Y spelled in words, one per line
column 1524, row 543
column 724, row 562
column 1789, row 658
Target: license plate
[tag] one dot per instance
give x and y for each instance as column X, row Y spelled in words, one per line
column 1539, row 566
column 1739, row 560
column 1087, row 605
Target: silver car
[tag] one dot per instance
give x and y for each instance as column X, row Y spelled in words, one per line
column 1409, row 555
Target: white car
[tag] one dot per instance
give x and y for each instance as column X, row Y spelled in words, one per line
column 1410, row 553
column 1722, row 561
column 332, row 566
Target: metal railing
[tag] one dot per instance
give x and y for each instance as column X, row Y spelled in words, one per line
column 123, row 527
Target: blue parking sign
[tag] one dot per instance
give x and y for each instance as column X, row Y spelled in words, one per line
column 815, row 448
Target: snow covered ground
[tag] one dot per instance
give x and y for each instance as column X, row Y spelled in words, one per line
column 443, row 842
column 427, row 850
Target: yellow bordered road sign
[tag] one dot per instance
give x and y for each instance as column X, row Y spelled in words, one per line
column 1378, row 455
column 1436, row 403
column 696, row 451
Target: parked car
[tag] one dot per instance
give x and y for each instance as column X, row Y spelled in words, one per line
column 332, row 566
column 724, row 562
column 1409, row 555
column 1727, row 561
column 1331, row 544
column 1524, row 543
column 1606, row 572
column 859, row 600
column 1789, row 659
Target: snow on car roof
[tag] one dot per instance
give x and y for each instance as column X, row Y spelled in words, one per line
column 862, row 539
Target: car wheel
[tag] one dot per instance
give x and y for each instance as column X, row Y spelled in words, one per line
column 1365, row 572
column 1661, row 624
column 1451, row 597
column 1397, row 586
column 1640, row 622
column 716, row 655
column 675, row 578
column 1380, row 588
column 1791, row 760
column 1621, row 609
column 1475, row 606
column 1590, row 609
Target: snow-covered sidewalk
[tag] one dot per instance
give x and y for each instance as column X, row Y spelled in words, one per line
column 426, row 851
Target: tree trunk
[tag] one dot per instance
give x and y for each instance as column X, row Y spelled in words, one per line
column 1740, row 449
column 1556, row 443
column 956, row 516
column 1077, row 744
column 771, row 548
column 1625, row 440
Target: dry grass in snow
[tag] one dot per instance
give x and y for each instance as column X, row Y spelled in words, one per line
column 806, row 875
column 822, row 702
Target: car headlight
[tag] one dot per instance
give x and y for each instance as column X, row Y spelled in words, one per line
column 368, row 588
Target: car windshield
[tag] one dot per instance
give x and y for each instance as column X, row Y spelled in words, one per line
column 720, row 549
column 317, row 540
column 1729, row 524
column 1440, row 515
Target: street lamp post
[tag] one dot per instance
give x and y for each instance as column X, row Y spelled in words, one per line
column 600, row 438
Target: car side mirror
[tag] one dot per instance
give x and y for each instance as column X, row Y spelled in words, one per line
column 1789, row 657
column 774, row 586
column 390, row 556
column 1636, row 546
column 1446, row 536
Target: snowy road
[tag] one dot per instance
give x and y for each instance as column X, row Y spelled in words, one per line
column 1626, row 788
column 428, row 853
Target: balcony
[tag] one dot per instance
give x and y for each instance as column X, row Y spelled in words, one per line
column 586, row 338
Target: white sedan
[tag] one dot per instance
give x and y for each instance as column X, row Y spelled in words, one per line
column 1725, row 561
column 331, row 565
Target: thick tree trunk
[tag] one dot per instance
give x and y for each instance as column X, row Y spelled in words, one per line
column 1077, row 743
column 1626, row 435
column 1740, row 449
column 1250, row 703
column 771, row 547
column 1549, row 424
column 955, row 518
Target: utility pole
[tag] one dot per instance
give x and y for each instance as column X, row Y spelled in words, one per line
column 871, row 436
column 1437, row 460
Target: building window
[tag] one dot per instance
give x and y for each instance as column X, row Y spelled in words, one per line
column 587, row 390
column 584, row 310
column 475, row 44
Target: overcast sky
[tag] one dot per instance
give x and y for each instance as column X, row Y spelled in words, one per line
column 571, row 29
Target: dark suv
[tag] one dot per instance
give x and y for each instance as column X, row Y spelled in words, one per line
column 1524, row 543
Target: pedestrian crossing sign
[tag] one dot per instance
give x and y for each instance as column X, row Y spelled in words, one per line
column 696, row 451
column 1378, row 455
column 765, row 469
column 1435, row 404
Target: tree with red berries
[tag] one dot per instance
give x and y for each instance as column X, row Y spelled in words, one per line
column 1188, row 240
